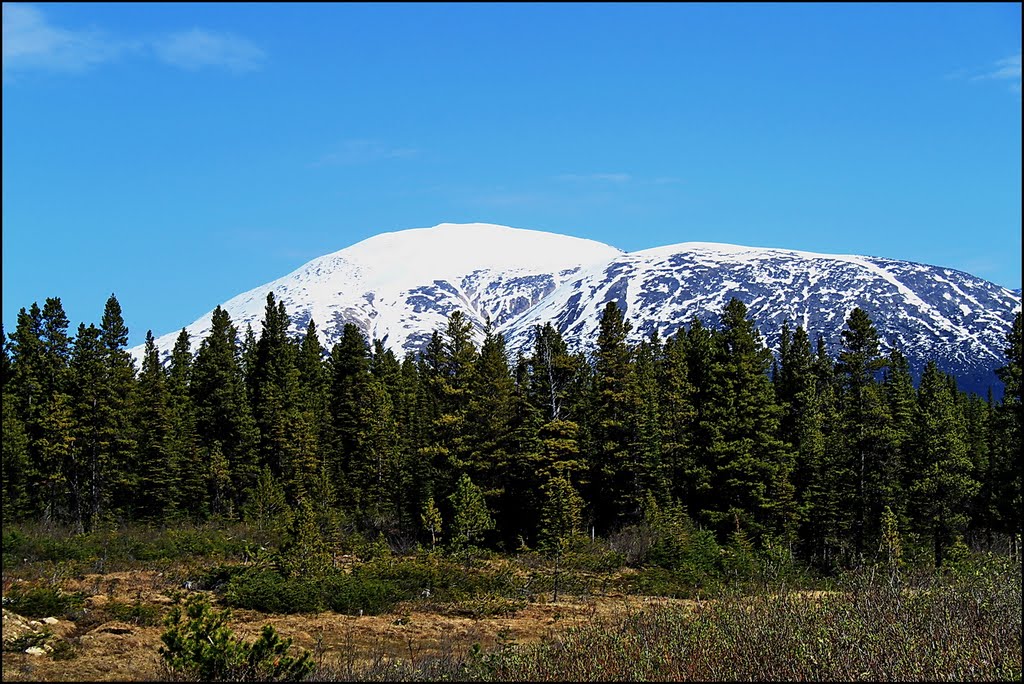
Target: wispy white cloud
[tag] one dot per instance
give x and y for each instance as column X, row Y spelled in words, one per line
column 198, row 48
column 351, row 152
column 30, row 41
column 1006, row 70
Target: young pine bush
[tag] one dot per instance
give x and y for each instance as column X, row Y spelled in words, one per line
column 199, row 645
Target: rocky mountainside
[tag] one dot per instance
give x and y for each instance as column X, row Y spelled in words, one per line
column 401, row 286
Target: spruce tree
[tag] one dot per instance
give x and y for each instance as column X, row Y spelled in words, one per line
column 828, row 500
column 616, row 478
column 943, row 481
column 864, row 422
column 471, row 518
column 453, row 392
column 155, row 478
column 15, row 462
column 121, row 464
column 274, row 391
column 676, row 395
column 374, row 472
column 898, row 434
column 489, row 420
column 88, row 464
column 801, row 424
column 1010, row 425
column 751, row 466
column 349, row 373
column 224, row 424
column 189, row 495
column 699, row 465
column 647, row 421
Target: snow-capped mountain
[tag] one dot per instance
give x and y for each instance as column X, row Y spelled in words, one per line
column 401, row 286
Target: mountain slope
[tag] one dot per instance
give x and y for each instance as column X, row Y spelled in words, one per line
column 400, row 286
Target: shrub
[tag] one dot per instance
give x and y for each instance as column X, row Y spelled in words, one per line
column 41, row 601
column 199, row 645
column 660, row 582
column 270, row 592
column 139, row 613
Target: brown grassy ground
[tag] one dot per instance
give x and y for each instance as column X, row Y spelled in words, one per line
column 114, row 650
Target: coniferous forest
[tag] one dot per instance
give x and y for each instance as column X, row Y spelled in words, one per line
column 799, row 517
column 829, row 459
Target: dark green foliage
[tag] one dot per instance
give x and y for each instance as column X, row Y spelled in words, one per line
column 271, row 592
column 561, row 516
column 155, row 441
column 136, row 612
column 41, row 601
column 750, row 466
column 225, row 430
column 943, row 475
column 305, row 553
column 471, row 518
column 199, row 644
column 680, row 448
column 615, row 473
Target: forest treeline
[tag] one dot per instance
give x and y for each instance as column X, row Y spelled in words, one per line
column 839, row 460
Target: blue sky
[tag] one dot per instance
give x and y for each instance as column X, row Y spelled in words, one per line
column 179, row 154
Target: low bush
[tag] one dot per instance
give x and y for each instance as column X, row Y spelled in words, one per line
column 144, row 614
column 42, row 601
column 198, row 645
column 269, row 591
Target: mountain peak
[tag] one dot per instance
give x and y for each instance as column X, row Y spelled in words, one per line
column 401, row 286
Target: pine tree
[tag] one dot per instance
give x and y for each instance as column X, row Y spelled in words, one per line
column 274, row 391
column 489, row 419
column 266, row 507
column 471, row 518
column 615, row 469
column 188, row 471
column 154, row 493
column 676, row 396
column 700, row 354
column 560, row 521
column 89, row 463
column 801, row 424
column 864, row 423
column 16, row 466
column 647, row 421
column 943, row 482
column 121, row 458
column 752, row 467
column 305, row 554
column 224, row 424
column 561, row 517
column 1010, row 426
column 349, row 373
column 431, row 520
